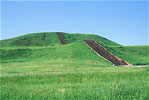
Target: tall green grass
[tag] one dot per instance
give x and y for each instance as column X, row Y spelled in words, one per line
column 105, row 84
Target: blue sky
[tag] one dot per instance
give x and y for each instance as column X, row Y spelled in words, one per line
column 125, row 22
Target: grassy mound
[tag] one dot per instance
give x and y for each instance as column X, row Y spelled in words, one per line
column 47, row 46
column 136, row 55
column 51, row 39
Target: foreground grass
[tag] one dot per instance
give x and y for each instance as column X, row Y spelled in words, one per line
column 72, row 79
column 108, row 83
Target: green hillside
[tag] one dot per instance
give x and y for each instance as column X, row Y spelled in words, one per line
column 77, row 50
column 47, row 46
column 51, row 39
column 136, row 55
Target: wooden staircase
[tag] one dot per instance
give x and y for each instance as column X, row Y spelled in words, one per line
column 62, row 39
column 104, row 53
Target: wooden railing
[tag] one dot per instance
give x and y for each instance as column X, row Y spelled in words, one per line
column 104, row 53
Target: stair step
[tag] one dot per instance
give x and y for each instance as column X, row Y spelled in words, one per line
column 62, row 39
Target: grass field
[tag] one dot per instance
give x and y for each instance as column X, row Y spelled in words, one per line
column 43, row 69
column 77, row 82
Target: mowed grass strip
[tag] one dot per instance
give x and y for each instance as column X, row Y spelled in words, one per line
column 55, row 65
column 103, row 85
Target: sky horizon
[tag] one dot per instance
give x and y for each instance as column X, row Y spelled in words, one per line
column 124, row 22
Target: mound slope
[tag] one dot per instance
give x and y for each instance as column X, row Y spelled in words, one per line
column 77, row 50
